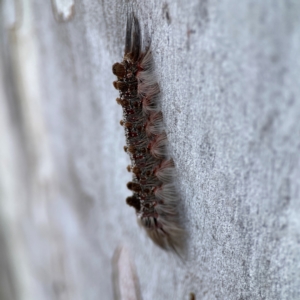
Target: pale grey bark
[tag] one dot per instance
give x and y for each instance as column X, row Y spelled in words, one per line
column 229, row 74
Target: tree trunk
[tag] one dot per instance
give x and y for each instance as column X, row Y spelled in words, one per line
column 230, row 95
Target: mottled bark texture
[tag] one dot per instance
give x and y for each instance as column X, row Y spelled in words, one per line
column 229, row 78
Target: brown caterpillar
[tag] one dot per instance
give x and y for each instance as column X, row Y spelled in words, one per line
column 154, row 196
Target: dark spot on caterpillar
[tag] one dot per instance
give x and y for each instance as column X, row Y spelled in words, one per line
column 128, row 125
column 131, row 149
column 134, row 186
column 119, row 70
column 124, row 103
column 136, row 170
column 134, row 202
column 120, row 85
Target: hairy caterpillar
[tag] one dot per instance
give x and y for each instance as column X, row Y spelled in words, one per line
column 154, row 196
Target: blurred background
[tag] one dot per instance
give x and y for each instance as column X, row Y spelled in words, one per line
column 229, row 75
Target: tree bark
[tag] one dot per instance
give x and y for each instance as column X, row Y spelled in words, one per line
column 230, row 94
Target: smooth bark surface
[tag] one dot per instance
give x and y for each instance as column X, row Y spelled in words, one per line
column 229, row 75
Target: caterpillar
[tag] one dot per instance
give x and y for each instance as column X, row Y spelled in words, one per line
column 154, row 198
